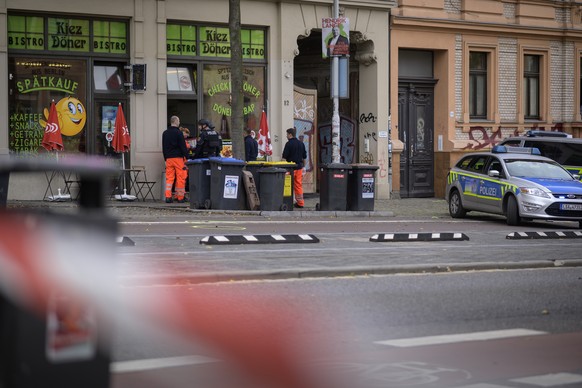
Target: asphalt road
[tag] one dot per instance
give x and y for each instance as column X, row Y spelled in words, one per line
column 324, row 316
column 169, row 250
column 510, row 329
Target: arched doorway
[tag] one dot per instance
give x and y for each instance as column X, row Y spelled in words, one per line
column 312, row 76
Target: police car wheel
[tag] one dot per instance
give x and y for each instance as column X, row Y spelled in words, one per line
column 456, row 209
column 512, row 212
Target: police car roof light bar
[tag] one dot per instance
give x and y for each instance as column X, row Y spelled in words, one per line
column 501, row 149
column 538, row 133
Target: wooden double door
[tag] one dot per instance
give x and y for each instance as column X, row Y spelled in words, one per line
column 416, row 131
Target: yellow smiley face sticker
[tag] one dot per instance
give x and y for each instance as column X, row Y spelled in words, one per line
column 72, row 116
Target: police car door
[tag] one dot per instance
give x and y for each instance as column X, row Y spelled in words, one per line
column 489, row 187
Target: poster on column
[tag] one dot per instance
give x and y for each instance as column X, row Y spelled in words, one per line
column 335, row 35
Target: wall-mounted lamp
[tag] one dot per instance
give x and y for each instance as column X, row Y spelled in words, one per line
column 135, row 77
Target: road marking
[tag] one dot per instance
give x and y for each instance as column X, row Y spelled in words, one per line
column 158, row 363
column 288, row 222
column 125, row 241
column 455, row 338
column 399, row 237
column 544, row 235
column 259, row 239
column 551, row 380
column 484, row 385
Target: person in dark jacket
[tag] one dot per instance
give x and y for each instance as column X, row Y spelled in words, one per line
column 294, row 151
column 210, row 143
column 175, row 154
column 251, row 146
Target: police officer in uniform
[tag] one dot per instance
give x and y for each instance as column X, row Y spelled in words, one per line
column 210, row 143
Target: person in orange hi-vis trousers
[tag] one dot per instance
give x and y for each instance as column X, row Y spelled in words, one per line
column 175, row 155
column 294, row 151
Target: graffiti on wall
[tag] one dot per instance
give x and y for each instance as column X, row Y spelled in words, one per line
column 347, row 141
column 481, row 137
column 304, row 115
column 383, row 164
column 306, row 134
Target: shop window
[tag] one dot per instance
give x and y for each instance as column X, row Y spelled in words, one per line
column 180, row 79
column 217, row 96
column 478, row 85
column 531, row 87
column 33, row 83
column 26, row 32
column 108, row 78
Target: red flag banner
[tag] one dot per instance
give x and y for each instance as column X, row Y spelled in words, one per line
column 121, row 139
column 52, row 138
column 264, row 139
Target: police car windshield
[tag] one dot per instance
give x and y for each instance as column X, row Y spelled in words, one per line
column 536, row 169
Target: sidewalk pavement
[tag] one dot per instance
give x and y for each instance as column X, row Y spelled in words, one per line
column 409, row 207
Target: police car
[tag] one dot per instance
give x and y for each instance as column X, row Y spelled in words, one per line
column 515, row 182
column 558, row 146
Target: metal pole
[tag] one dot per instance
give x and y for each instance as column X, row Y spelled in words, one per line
column 335, row 120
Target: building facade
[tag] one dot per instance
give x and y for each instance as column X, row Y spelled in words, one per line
column 467, row 73
column 159, row 58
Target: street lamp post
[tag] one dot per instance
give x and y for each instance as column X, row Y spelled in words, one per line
column 335, row 120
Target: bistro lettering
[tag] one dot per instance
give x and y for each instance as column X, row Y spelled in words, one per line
column 181, row 48
column 25, row 41
column 107, row 45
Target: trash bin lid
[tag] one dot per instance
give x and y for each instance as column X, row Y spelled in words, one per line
column 336, row 166
column 272, row 170
column 230, row 161
column 197, row 161
column 255, row 163
column 363, row 166
column 281, row 164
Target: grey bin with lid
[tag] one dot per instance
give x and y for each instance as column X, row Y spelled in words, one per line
column 271, row 189
column 289, row 167
column 226, row 184
column 361, row 185
column 333, row 188
column 199, row 173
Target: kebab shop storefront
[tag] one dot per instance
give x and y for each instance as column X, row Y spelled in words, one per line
column 76, row 62
column 199, row 76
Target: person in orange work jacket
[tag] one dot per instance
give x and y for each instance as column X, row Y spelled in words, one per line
column 175, row 155
column 294, row 151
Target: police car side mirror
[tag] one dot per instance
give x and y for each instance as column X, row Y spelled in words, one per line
column 493, row 173
column 576, row 176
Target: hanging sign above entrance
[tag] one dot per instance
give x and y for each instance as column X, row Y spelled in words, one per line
column 335, row 37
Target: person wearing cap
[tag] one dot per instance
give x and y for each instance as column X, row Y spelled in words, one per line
column 175, row 155
column 210, row 143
